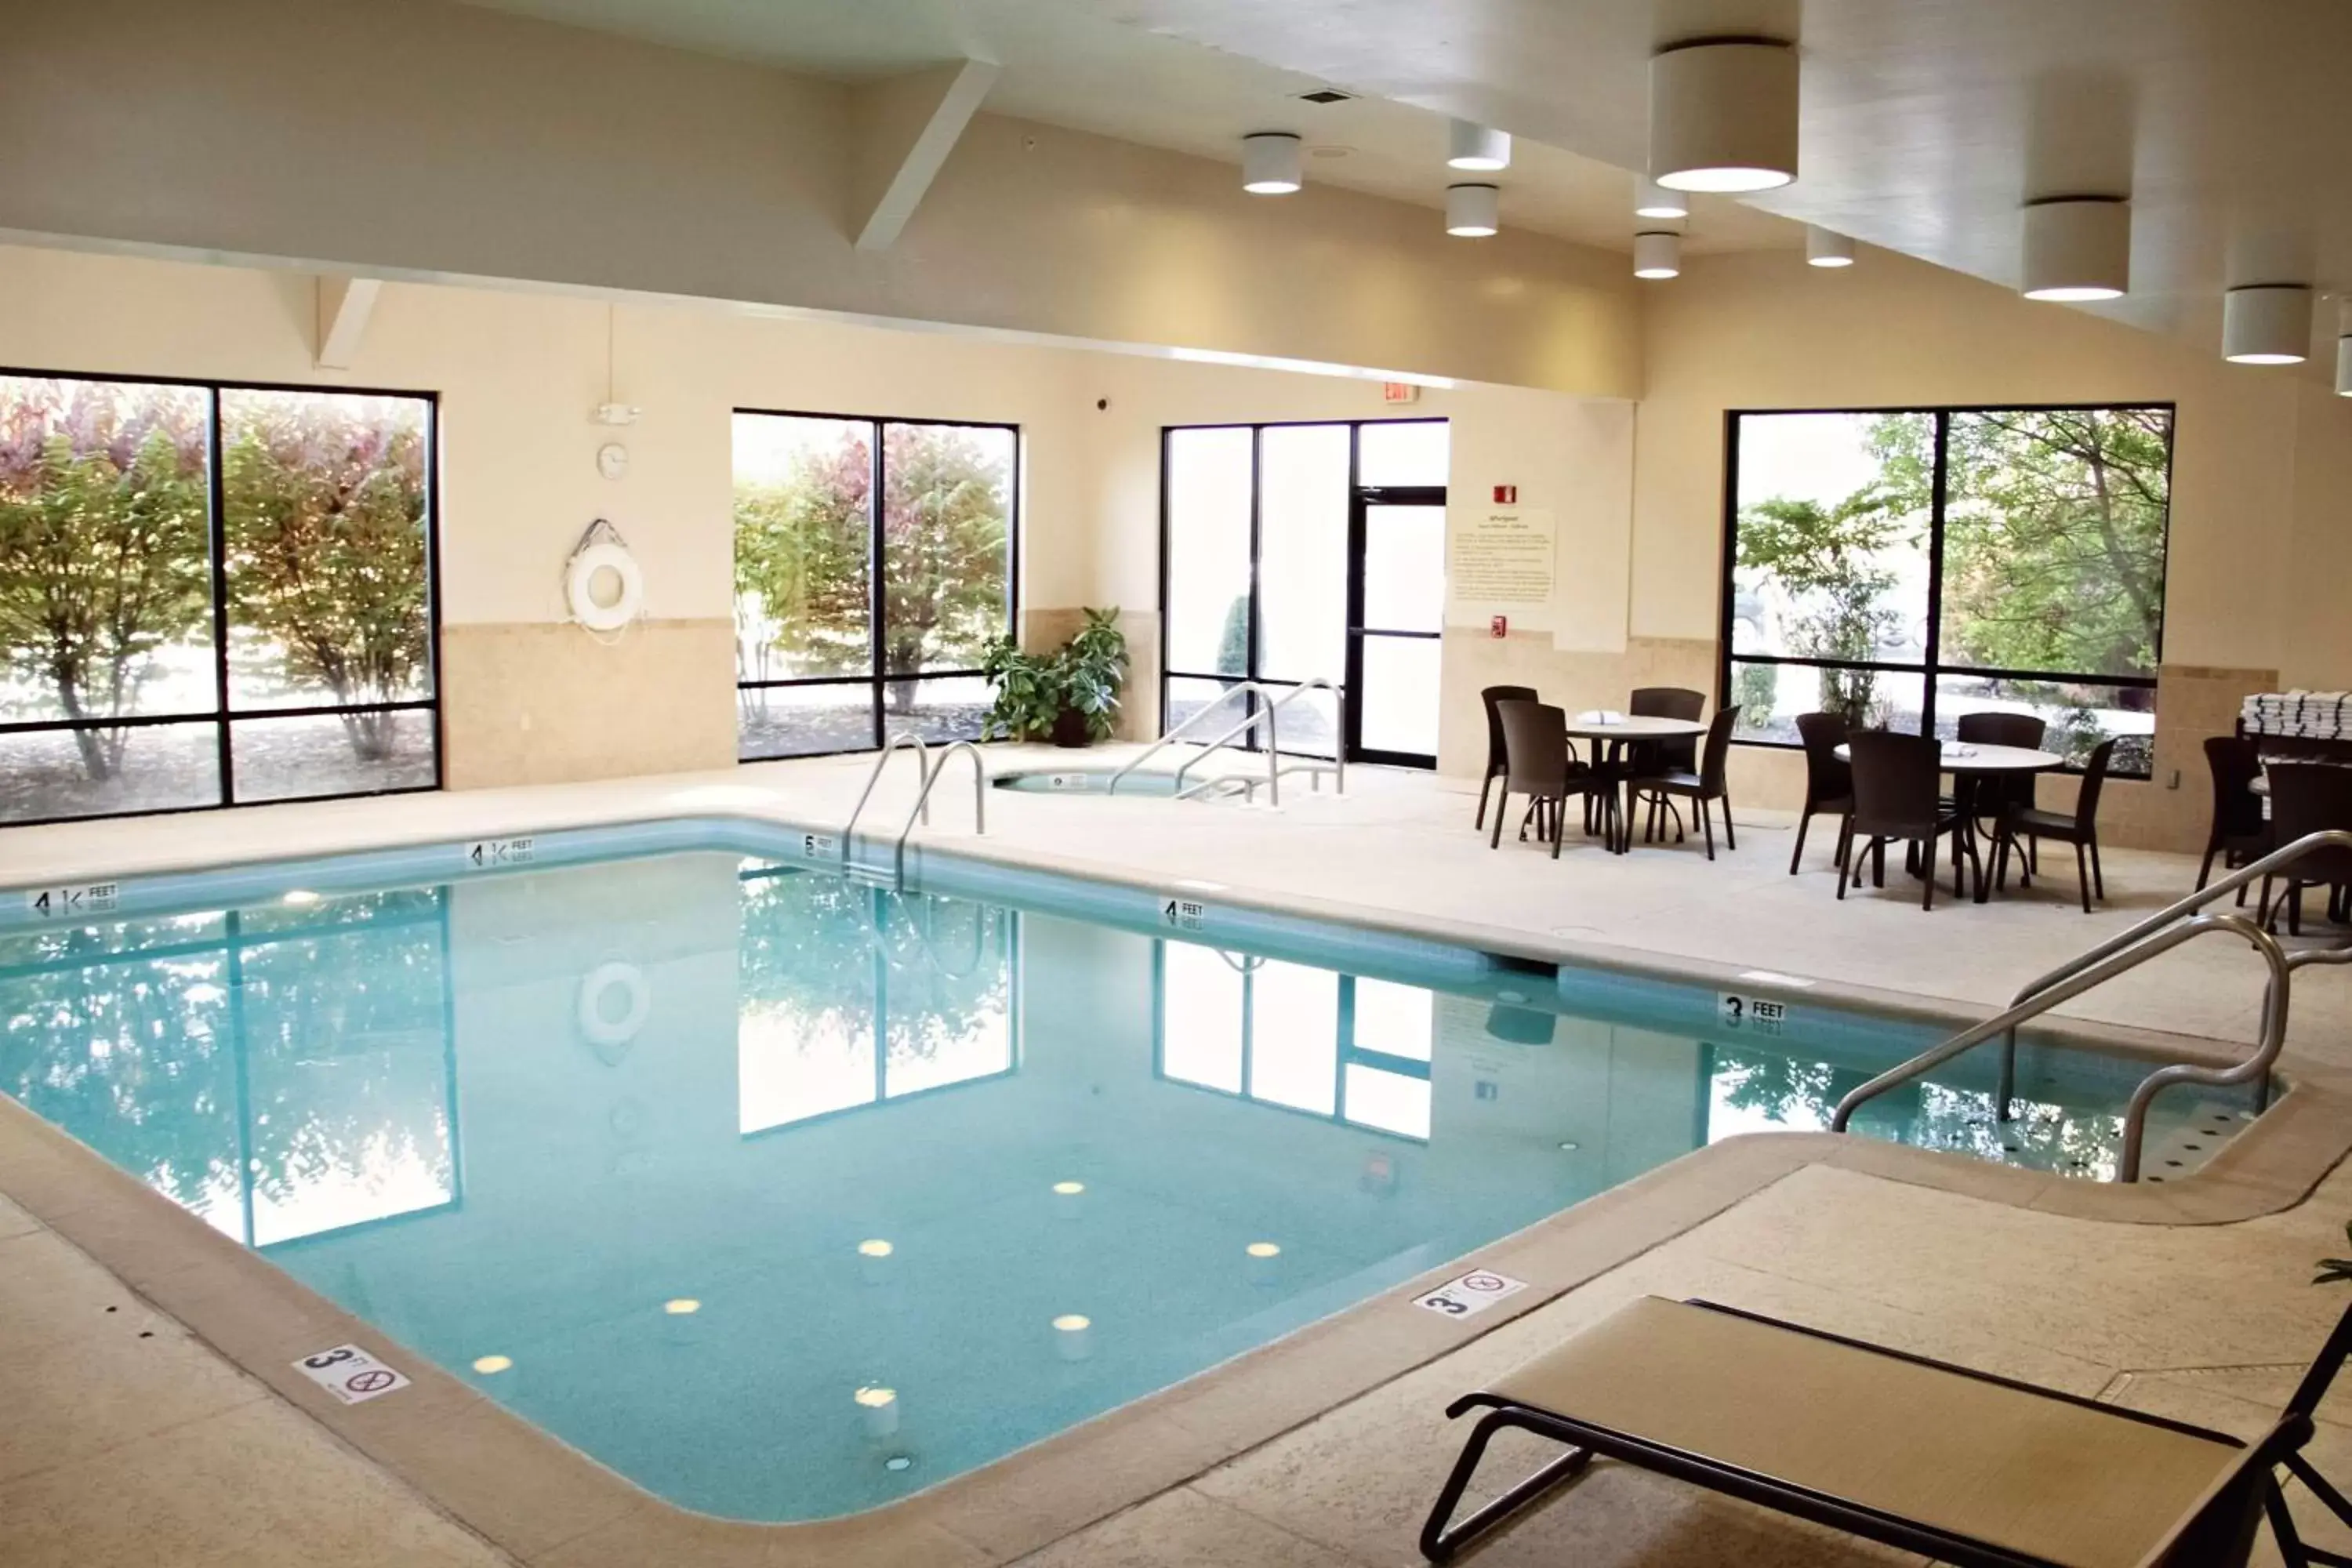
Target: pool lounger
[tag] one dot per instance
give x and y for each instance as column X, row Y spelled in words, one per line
column 1970, row 1469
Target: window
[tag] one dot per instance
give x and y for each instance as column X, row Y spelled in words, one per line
column 1908, row 567
column 211, row 596
column 1334, row 1045
column 850, row 627
column 1292, row 552
column 854, row 997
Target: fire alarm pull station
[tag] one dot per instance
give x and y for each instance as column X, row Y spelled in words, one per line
column 1499, row 626
column 1507, row 495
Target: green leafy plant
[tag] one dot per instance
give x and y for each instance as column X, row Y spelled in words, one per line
column 1083, row 678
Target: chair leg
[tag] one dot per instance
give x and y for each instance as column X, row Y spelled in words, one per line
column 2293, row 906
column 1439, row 1544
column 1731, row 835
column 1707, row 822
column 1484, row 786
column 2082, row 875
column 1804, row 822
column 1558, row 823
column 2283, row 1531
column 2205, row 871
column 1844, row 853
column 2098, row 873
column 1502, row 810
column 1878, row 862
column 1927, row 878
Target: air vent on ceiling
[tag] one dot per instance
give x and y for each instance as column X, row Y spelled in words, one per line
column 1325, row 95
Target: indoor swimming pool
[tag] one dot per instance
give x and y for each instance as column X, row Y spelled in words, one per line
column 786, row 1193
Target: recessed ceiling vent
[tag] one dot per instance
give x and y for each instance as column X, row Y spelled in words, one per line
column 1325, row 95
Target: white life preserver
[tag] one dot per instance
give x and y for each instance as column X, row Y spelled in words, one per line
column 579, row 586
column 598, row 1027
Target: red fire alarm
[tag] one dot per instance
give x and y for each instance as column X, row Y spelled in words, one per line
column 1499, row 626
column 1507, row 495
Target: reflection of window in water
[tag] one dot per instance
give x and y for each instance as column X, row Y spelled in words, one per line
column 278, row 1075
column 1335, row 1045
column 851, row 995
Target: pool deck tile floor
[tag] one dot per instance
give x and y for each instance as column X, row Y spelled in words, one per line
column 123, row 1439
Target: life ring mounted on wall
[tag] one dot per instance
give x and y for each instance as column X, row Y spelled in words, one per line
column 604, row 587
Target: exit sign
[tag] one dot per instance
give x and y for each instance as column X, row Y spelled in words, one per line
column 1399, row 392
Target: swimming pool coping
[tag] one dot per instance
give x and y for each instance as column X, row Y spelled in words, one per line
column 544, row 1502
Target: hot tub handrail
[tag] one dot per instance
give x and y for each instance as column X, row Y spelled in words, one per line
column 2256, row 1069
column 1273, row 740
column 1181, row 731
column 2098, row 973
column 923, row 804
column 874, row 776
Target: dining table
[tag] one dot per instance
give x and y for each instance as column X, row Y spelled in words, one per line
column 1617, row 730
column 1971, row 764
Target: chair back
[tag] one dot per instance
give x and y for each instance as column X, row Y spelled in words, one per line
column 1717, row 749
column 2024, row 731
column 1826, row 778
column 1896, row 781
column 2312, row 797
column 2236, row 762
column 1493, row 697
column 2095, row 779
column 1535, row 747
column 1668, row 702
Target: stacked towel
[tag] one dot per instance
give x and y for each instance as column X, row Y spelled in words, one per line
column 2314, row 715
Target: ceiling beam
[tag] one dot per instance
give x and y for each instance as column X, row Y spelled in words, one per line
column 905, row 127
column 345, row 306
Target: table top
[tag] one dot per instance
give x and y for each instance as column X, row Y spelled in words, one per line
column 1636, row 726
column 1981, row 759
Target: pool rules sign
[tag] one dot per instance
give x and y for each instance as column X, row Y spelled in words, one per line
column 351, row 1374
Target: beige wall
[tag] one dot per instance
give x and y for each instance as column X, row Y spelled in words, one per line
column 432, row 140
column 2261, row 464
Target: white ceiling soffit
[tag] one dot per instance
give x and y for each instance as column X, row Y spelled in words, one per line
column 1073, row 63
column 1927, row 124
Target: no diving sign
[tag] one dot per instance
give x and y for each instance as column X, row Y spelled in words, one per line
column 1474, row 1292
column 351, row 1374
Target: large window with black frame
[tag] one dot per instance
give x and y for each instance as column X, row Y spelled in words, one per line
column 212, row 595
column 874, row 562
column 1297, row 553
column 1907, row 567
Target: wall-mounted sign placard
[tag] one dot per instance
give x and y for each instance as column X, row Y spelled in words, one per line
column 1502, row 556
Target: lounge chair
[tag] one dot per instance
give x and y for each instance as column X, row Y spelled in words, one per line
column 1973, row 1470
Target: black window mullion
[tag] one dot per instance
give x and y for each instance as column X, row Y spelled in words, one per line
column 216, row 542
column 1937, row 493
column 876, row 608
column 1351, row 656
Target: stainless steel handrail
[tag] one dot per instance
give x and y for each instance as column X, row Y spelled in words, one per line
column 2269, row 865
column 923, row 804
column 2099, row 973
column 1180, row 731
column 1272, row 740
column 922, row 771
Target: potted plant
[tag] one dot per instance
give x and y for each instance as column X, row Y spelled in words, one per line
column 1070, row 695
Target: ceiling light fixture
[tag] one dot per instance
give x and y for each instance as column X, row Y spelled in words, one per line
column 2266, row 323
column 2077, row 248
column 1473, row 212
column 1827, row 248
column 1480, row 148
column 1723, row 114
column 1270, row 163
column 1651, row 199
column 1658, row 253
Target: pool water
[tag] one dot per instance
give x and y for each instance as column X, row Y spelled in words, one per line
column 785, row 1195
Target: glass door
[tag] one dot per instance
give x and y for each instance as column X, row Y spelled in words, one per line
column 1398, row 600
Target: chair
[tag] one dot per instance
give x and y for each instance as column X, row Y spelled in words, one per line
column 2240, row 833
column 1958, row 1465
column 2081, row 829
column 2023, row 731
column 1653, row 757
column 1829, row 783
column 1492, row 697
column 1895, row 796
column 1538, row 766
column 2310, row 797
column 1700, row 788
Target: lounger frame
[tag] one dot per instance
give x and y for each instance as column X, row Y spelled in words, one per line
column 2223, row 1527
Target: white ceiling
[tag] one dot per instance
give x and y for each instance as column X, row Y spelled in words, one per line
column 1072, row 64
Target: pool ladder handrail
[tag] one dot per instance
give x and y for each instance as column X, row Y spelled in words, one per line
column 1275, row 700
column 2176, row 923
column 890, row 748
column 922, row 807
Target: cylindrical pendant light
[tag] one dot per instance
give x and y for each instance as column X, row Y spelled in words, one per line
column 1473, row 212
column 1476, row 147
column 2266, row 323
column 1658, row 254
column 1651, row 199
column 1827, row 248
column 1723, row 115
column 1270, row 163
column 2077, row 248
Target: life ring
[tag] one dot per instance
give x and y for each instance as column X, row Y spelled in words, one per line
column 579, row 586
column 598, row 1026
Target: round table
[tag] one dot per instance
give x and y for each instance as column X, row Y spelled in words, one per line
column 1968, row 762
column 1626, row 730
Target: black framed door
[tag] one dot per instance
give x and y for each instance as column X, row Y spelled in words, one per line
column 1396, row 618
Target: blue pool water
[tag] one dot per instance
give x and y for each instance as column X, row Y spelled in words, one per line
column 785, row 1196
